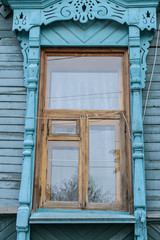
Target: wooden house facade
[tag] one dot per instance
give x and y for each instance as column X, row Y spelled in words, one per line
column 111, row 48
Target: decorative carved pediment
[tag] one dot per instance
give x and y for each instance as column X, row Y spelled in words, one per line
column 44, row 12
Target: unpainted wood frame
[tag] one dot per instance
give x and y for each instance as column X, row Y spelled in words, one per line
column 43, row 124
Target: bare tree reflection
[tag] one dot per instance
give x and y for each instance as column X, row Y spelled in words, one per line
column 68, row 191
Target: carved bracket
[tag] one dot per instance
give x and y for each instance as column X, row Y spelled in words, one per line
column 145, row 43
column 83, row 11
column 24, row 38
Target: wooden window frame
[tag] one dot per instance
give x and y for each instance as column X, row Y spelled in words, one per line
column 44, row 135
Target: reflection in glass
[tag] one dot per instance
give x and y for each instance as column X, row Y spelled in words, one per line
column 102, row 163
column 91, row 83
column 62, row 175
column 64, row 127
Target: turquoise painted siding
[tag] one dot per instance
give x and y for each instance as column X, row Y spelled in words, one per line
column 82, row 231
column 8, row 228
column 12, row 102
column 152, row 132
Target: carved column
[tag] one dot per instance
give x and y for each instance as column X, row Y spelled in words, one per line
column 29, row 138
column 137, row 134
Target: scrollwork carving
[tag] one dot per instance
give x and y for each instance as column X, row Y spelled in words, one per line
column 25, row 51
column 21, row 20
column 84, row 10
column 145, row 43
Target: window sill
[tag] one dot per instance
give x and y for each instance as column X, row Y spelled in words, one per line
column 45, row 216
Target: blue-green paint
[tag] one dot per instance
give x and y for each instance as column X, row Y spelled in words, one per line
column 80, row 217
column 138, row 17
column 82, row 231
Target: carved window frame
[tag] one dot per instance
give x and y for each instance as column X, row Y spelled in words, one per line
column 139, row 16
column 43, row 135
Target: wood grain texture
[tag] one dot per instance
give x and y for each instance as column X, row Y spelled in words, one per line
column 12, row 102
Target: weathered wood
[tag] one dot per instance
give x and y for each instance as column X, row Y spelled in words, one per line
column 152, row 184
column 11, row 57
column 6, row 168
column 10, row 176
column 11, row 82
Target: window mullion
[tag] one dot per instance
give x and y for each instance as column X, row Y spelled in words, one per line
column 86, row 165
column 82, row 162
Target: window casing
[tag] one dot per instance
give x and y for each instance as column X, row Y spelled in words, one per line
column 70, row 129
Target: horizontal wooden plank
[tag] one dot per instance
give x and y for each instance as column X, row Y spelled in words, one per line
column 150, row 60
column 11, row 152
column 154, row 41
column 80, row 217
column 13, row 90
column 154, row 86
column 12, row 113
column 10, row 74
column 6, row 25
column 151, row 213
column 151, row 129
column 11, row 57
column 12, row 136
column 153, row 194
column 152, row 102
column 154, row 165
column 152, row 120
column 10, row 184
column 10, row 49
column 11, row 144
column 153, row 205
column 152, row 94
column 11, row 66
column 6, row 168
column 10, row 177
column 150, row 67
column 155, row 77
column 152, row 147
column 152, row 184
column 10, row 160
column 153, row 174
column 7, row 34
column 9, row 193
column 6, row 204
column 152, row 51
column 13, row 105
column 12, row 128
column 15, row 82
column 12, row 121
column 152, row 111
column 9, row 42
column 9, row 209
column 12, row 97
column 155, row 138
column 152, row 156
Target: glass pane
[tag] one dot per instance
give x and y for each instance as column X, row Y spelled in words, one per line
column 104, row 163
column 84, row 83
column 64, row 127
column 62, row 174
